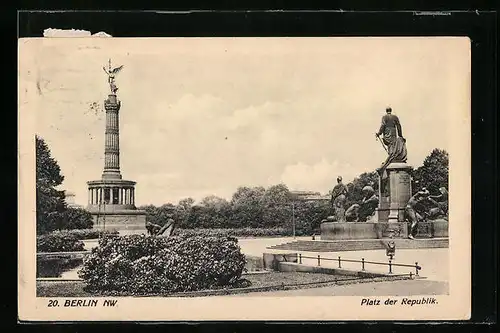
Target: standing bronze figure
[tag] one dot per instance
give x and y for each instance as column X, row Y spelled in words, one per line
column 339, row 196
column 391, row 136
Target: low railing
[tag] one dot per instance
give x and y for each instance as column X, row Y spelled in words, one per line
column 390, row 264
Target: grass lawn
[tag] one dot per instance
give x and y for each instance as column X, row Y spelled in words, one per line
column 290, row 278
column 271, row 279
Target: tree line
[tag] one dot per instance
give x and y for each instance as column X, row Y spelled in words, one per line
column 249, row 207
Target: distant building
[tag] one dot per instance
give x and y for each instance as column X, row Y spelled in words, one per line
column 309, row 196
column 70, row 200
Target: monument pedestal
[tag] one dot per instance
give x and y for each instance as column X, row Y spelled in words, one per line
column 394, row 193
column 373, row 230
column 126, row 222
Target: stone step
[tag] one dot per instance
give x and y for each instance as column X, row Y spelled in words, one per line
column 358, row 245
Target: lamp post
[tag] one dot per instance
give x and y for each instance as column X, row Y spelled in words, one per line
column 391, row 246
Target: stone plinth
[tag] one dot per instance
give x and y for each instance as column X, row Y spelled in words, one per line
column 271, row 260
column 124, row 221
column 347, row 230
column 394, row 193
column 374, row 230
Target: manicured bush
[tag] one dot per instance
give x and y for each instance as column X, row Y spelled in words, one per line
column 240, row 232
column 58, row 242
column 54, row 267
column 86, row 233
column 139, row 264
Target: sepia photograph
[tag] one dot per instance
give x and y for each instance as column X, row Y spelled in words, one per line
column 244, row 178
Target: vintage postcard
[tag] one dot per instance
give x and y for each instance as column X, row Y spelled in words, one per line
column 276, row 179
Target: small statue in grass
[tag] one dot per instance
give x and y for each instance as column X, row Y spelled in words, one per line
column 157, row 230
column 167, row 229
column 152, row 228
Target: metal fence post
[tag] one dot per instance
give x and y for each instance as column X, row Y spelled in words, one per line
column 339, row 263
column 300, row 258
column 416, row 268
column 390, row 266
column 362, row 264
column 319, row 261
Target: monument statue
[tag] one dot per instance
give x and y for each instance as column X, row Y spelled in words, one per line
column 441, row 200
column 393, row 141
column 167, row 229
column 368, row 204
column 120, row 212
column 111, row 72
column 433, row 207
column 364, row 210
column 156, row 230
column 394, row 211
column 352, row 213
column 152, row 228
column 412, row 208
column 339, row 195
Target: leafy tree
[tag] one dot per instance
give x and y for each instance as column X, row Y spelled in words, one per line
column 186, row 203
column 50, row 202
column 433, row 174
column 196, row 217
column 309, row 214
column 247, row 207
column 75, row 218
column 216, row 212
column 183, row 211
column 213, row 201
column 159, row 215
column 277, row 206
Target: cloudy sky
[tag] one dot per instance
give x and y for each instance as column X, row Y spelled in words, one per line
column 204, row 116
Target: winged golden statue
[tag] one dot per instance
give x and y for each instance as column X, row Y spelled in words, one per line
column 111, row 72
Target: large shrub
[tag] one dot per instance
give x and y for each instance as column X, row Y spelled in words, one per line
column 140, row 264
column 58, row 242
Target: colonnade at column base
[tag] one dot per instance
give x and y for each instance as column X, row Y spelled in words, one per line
column 111, row 194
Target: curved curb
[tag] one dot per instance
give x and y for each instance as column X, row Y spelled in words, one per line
column 235, row 291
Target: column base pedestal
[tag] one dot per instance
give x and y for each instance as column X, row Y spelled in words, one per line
column 126, row 222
